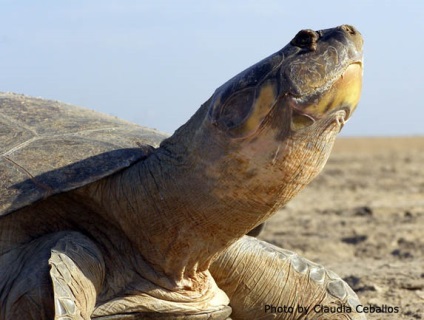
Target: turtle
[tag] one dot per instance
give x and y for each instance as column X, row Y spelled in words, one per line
column 102, row 219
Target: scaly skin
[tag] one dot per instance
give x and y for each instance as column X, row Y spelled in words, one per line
column 219, row 196
column 266, row 282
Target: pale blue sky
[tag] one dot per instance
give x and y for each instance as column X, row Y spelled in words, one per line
column 155, row 62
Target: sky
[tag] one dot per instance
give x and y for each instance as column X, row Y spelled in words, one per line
column 155, row 62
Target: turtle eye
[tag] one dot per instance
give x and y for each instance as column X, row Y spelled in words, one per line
column 235, row 110
column 243, row 112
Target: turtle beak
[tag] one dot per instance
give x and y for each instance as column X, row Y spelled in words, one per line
column 348, row 89
column 349, row 85
column 343, row 95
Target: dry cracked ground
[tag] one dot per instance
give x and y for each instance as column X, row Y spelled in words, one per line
column 363, row 217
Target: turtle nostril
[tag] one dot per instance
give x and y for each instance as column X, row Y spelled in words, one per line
column 349, row 29
column 306, row 39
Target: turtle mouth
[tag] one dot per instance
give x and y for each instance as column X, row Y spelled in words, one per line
column 340, row 100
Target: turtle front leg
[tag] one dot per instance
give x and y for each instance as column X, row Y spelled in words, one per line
column 53, row 277
column 267, row 282
column 77, row 273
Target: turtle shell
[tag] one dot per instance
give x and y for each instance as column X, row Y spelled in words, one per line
column 48, row 147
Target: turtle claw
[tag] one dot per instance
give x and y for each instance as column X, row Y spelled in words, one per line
column 340, row 119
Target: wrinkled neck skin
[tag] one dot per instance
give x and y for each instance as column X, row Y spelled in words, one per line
column 197, row 193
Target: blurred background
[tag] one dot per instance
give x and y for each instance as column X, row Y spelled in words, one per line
column 155, row 62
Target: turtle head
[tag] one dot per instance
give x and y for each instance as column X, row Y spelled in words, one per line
column 316, row 76
column 268, row 131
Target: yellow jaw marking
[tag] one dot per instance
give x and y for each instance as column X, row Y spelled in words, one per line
column 346, row 91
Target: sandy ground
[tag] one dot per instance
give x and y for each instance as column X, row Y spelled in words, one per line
column 363, row 217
